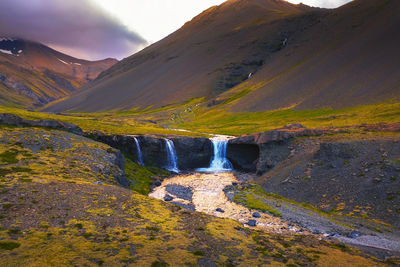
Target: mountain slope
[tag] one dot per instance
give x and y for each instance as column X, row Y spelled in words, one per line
column 32, row 74
column 297, row 56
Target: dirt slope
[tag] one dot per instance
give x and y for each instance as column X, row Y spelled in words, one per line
column 299, row 57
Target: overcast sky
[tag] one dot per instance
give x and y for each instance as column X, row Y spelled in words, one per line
column 96, row 29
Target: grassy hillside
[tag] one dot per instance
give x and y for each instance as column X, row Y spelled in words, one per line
column 201, row 120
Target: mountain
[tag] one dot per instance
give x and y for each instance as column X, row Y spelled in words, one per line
column 32, row 74
column 260, row 55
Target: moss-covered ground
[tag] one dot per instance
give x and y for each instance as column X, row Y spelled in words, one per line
column 54, row 212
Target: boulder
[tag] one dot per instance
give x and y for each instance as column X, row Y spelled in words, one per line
column 168, row 198
column 354, row 234
column 180, row 191
column 252, row 223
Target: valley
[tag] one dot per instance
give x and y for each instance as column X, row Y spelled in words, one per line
column 259, row 133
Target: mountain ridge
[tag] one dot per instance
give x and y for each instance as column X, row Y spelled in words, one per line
column 33, row 74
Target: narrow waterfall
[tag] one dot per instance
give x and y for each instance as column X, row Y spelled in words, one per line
column 219, row 162
column 171, row 156
column 139, row 151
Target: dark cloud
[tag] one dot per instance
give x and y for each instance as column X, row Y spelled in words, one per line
column 75, row 26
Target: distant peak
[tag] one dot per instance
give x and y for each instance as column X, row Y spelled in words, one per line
column 11, row 46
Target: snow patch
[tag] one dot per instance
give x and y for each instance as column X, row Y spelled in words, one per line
column 19, row 51
column 63, row 61
column 6, row 52
column 6, row 39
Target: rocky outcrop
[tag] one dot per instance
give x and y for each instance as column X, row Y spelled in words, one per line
column 125, row 143
column 262, row 151
column 243, row 156
column 11, row 119
column 192, row 152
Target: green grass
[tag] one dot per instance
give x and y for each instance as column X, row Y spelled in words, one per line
column 111, row 123
column 217, row 119
column 224, row 122
column 10, row 245
column 253, row 202
column 140, row 176
column 9, row 157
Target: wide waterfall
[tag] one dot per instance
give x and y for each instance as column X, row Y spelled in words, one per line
column 171, row 156
column 219, row 162
column 139, row 151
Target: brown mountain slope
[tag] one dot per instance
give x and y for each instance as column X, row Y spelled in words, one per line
column 351, row 57
column 299, row 56
column 32, row 74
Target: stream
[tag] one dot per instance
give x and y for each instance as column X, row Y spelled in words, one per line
column 203, row 192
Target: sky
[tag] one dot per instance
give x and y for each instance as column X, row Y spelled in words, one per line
column 97, row 29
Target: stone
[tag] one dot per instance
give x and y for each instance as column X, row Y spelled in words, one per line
column 354, row 234
column 219, row 210
column 256, row 215
column 168, row 198
column 316, row 231
column 180, row 191
column 252, row 223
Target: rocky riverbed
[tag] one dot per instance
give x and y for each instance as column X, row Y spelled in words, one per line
column 213, row 193
column 204, row 192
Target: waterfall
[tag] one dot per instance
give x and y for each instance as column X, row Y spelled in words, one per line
column 219, row 162
column 139, row 151
column 171, row 156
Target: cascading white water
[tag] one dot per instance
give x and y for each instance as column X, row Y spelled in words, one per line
column 219, row 162
column 171, row 156
column 139, row 151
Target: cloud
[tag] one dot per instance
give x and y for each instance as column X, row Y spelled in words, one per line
column 77, row 27
column 322, row 3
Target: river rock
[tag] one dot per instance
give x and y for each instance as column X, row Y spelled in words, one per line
column 354, row 234
column 252, row 223
column 180, row 191
column 219, row 210
column 168, row 198
column 256, row 215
